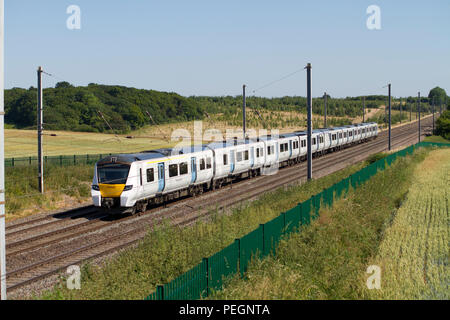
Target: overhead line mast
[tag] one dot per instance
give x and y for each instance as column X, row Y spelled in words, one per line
column 2, row 159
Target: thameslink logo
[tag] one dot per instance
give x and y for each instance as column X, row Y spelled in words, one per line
column 231, row 309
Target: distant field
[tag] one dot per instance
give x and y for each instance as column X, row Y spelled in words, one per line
column 23, row 143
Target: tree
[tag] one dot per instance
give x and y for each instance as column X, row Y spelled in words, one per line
column 438, row 94
column 63, row 84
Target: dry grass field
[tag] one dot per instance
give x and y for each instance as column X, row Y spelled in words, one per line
column 23, row 143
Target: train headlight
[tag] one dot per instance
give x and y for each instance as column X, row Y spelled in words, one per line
column 128, row 188
column 95, row 187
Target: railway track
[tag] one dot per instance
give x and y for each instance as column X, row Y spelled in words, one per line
column 43, row 254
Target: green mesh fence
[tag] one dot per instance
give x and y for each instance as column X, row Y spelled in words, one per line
column 273, row 230
column 222, row 264
column 210, row 273
column 68, row 160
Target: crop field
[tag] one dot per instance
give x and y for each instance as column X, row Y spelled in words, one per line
column 413, row 255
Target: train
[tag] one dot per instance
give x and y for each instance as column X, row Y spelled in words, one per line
column 129, row 183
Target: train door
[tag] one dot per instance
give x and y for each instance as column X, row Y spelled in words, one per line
column 194, row 169
column 161, row 181
column 277, row 150
column 252, row 156
column 290, row 149
column 232, row 161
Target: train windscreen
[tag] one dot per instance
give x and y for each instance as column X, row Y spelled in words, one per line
column 113, row 174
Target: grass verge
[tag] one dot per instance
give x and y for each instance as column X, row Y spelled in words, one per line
column 63, row 186
column 437, row 139
column 170, row 251
column 328, row 260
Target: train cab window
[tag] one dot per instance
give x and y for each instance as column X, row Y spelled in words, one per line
column 183, row 168
column 225, row 159
column 246, row 155
column 173, row 170
column 202, row 164
column 238, row 156
column 150, row 175
column 113, row 174
column 208, row 163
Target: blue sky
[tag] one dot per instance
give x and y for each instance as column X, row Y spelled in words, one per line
column 213, row 47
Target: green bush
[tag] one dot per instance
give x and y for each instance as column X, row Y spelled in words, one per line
column 443, row 125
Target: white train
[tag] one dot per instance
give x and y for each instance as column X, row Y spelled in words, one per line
column 128, row 183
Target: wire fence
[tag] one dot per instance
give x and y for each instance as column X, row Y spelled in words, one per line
column 211, row 272
column 62, row 160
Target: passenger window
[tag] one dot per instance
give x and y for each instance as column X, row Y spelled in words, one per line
column 314, row 141
column 262, row 152
column 268, row 150
column 282, row 147
column 183, row 168
column 225, row 159
column 239, row 156
column 202, row 164
column 257, row 152
column 150, row 175
column 246, row 155
column 208, row 163
column 173, row 170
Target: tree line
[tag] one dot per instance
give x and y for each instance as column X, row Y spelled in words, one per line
column 67, row 107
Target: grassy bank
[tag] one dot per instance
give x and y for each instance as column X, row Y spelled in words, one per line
column 63, row 186
column 413, row 255
column 171, row 251
column 328, row 260
column 437, row 139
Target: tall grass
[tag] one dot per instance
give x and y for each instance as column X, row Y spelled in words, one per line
column 61, row 185
column 328, row 260
column 167, row 252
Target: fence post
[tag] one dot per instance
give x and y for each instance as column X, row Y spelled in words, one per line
column 30, row 160
column 159, row 292
column 12, row 161
column 206, row 261
column 60, row 160
column 74, row 159
column 87, row 158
